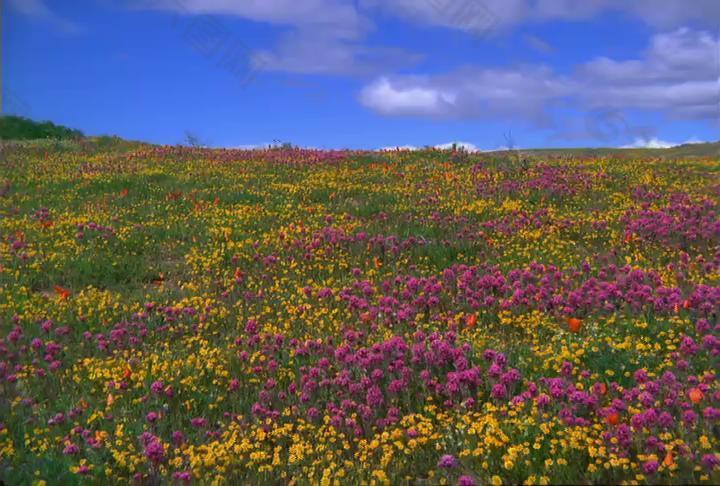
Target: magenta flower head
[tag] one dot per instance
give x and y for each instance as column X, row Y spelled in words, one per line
column 641, row 376
column 651, row 467
column 178, row 438
column 447, row 461
column 499, row 391
column 155, row 451
column 152, row 417
column 157, row 387
column 71, row 449
column 710, row 461
column 466, row 481
column 198, row 422
column 182, row 475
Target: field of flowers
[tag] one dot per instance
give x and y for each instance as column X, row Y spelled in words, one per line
column 292, row 316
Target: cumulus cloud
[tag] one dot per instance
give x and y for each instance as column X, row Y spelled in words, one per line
column 400, row 147
column 467, row 93
column 316, row 52
column 338, row 16
column 655, row 142
column 411, row 97
column 325, row 36
column 482, row 16
column 676, row 75
column 467, row 146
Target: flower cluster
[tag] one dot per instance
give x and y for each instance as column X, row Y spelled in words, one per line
column 185, row 315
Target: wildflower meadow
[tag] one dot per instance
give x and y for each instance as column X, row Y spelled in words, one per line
column 188, row 316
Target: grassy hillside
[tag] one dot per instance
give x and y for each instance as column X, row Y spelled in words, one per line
column 686, row 150
column 181, row 315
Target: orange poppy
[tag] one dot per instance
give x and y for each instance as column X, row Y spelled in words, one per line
column 686, row 304
column 217, row 200
column 668, row 461
column 603, row 388
column 613, row 418
column 159, row 279
column 471, row 321
column 46, row 224
column 124, row 192
column 378, row 263
column 110, row 399
column 574, row 324
column 696, row 395
column 62, row 292
column 128, row 373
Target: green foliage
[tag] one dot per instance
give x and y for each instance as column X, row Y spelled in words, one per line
column 19, row 128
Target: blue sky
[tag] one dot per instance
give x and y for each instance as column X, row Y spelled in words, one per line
column 369, row 73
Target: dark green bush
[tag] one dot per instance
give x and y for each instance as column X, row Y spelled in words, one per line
column 19, row 128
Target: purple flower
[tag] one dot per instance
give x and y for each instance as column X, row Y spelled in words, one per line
column 71, row 449
column 447, row 461
column 198, row 422
column 651, row 467
column 155, row 451
column 499, row 391
column 157, row 387
column 711, row 413
column 466, row 481
column 710, row 461
column 374, row 397
column 182, row 475
column 689, row 417
column 178, row 438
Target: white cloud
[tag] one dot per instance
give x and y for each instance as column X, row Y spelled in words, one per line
column 336, row 15
column 316, row 52
column 400, row 147
column 410, row 98
column 676, row 76
column 654, row 142
column 467, row 146
column 678, row 73
column 483, row 16
column 325, row 36
column 467, row 93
